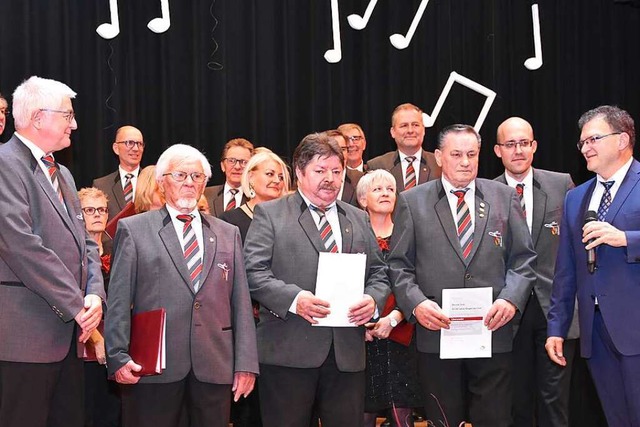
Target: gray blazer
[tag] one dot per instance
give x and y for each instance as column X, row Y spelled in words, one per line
column 48, row 262
column 281, row 251
column 426, row 258
column 215, row 198
column 549, row 190
column 111, row 185
column 211, row 332
column 390, row 161
column 351, row 179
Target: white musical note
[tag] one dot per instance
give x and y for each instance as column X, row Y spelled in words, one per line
column 334, row 55
column 429, row 120
column 109, row 30
column 535, row 62
column 358, row 22
column 162, row 24
column 401, row 42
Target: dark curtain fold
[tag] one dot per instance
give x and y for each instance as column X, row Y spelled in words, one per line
column 229, row 68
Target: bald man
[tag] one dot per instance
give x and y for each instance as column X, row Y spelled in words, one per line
column 541, row 388
column 120, row 186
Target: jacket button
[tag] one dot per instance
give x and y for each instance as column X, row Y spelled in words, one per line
column 197, row 305
column 467, row 276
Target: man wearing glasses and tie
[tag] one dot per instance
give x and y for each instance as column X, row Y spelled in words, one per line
column 51, row 287
column 191, row 265
column 120, row 186
column 540, row 387
column 599, row 262
column 228, row 196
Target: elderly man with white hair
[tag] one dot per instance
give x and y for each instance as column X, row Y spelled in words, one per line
column 191, row 265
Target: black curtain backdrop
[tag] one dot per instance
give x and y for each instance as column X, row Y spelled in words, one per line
column 229, row 68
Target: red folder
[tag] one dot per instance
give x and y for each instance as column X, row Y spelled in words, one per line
column 147, row 341
column 402, row 333
column 128, row 210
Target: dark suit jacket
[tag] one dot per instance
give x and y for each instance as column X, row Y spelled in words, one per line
column 391, row 161
column 211, row 332
column 549, row 191
column 617, row 277
column 48, row 262
column 215, row 198
column 351, row 180
column 111, row 185
column 281, row 251
column 426, row 258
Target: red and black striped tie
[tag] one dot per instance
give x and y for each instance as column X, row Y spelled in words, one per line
column 410, row 175
column 465, row 232
column 232, row 202
column 191, row 250
column 326, row 234
column 128, row 187
column 52, row 167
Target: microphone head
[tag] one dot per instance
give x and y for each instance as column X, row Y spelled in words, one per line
column 590, row 216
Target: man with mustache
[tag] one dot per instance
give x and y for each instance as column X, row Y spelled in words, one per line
column 191, row 265
column 302, row 365
column 476, row 237
column 541, row 388
column 120, row 186
column 409, row 164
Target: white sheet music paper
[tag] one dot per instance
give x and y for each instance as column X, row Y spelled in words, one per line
column 454, row 77
column 468, row 337
column 340, row 281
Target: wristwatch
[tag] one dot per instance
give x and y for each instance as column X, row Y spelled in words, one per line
column 393, row 322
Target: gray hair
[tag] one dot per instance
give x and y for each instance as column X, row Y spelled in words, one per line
column 369, row 179
column 37, row 93
column 457, row 128
column 178, row 153
column 617, row 119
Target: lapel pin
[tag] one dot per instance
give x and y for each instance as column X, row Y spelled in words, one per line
column 497, row 238
column 481, row 214
column 79, row 216
column 211, row 239
column 555, row 227
column 225, row 270
column 482, row 205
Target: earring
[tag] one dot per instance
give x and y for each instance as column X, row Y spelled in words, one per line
column 252, row 192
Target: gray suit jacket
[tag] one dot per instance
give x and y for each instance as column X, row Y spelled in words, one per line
column 390, row 161
column 215, row 198
column 111, row 185
column 211, row 332
column 549, row 191
column 426, row 258
column 351, row 180
column 48, row 262
column 281, row 251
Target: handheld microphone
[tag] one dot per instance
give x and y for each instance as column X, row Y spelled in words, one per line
column 591, row 253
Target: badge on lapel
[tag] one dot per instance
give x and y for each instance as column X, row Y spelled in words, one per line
column 497, row 238
column 481, row 210
column 554, row 226
column 225, row 270
column 80, row 217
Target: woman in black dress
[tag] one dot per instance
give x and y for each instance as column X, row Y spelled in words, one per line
column 266, row 177
column 391, row 370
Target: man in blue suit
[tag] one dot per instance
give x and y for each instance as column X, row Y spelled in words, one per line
column 608, row 290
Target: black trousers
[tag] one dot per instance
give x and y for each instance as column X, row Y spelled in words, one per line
column 473, row 390
column 162, row 405
column 43, row 394
column 288, row 395
column 540, row 386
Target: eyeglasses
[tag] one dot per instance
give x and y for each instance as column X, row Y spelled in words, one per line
column 593, row 139
column 510, row 145
column 4, row 111
column 181, row 176
column 355, row 138
column 234, row 162
column 69, row 115
column 131, row 143
column 90, row 210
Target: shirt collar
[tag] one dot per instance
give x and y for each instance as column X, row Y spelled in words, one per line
column 308, row 202
column 35, row 150
column 448, row 186
column 527, row 181
column 174, row 213
column 620, row 173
